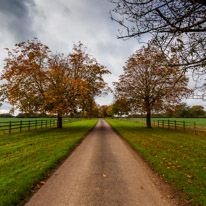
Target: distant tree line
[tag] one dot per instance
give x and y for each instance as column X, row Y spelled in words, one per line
column 179, row 111
column 120, row 109
column 6, row 115
column 185, row 111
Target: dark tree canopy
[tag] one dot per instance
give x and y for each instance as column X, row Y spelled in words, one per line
column 175, row 25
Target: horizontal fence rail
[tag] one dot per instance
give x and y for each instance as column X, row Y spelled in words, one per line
column 27, row 125
column 196, row 127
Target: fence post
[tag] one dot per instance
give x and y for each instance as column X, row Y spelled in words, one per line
column 35, row 124
column 195, row 127
column 184, row 125
column 163, row 126
column 175, row 125
column 41, row 123
column 168, row 125
column 46, row 123
column 10, row 127
column 29, row 126
column 20, row 126
column 50, row 122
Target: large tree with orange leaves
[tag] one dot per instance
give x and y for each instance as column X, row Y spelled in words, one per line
column 39, row 81
column 149, row 84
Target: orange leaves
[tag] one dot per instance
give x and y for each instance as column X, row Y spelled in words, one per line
column 42, row 182
column 39, row 81
column 149, row 83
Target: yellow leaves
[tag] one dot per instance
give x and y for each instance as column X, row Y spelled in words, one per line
column 174, row 167
column 190, row 176
column 11, row 111
column 104, row 175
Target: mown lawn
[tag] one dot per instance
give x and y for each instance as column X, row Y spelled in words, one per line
column 179, row 158
column 27, row 158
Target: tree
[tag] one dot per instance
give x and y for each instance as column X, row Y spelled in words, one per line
column 197, row 111
column 149, row 84
column 92, row 73
column 38, row 81
column 103, row 110
column 90, row 109
column 109, row 111
column 6, row 115
column 121, row 106
column 175, row 25
column 182, row 110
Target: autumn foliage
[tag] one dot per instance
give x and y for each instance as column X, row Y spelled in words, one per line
column 149, row 84
column 39, row 81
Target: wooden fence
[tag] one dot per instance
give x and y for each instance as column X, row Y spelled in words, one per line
column 27, row 125
column 9, row 127
column 195, row 127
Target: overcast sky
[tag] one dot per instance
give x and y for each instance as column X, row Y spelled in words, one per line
column 61, row 23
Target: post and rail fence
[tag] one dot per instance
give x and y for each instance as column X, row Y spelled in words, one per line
column 10, row 127
column 186, row 126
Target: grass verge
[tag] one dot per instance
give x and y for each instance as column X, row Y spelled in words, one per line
column 179, row 158
column 27, row 158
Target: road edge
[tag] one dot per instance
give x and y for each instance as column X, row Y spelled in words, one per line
column 175, row 196
column 53, row 170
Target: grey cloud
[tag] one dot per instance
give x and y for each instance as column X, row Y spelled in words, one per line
column 16, row 18
column 60, row 23
column 67, row 10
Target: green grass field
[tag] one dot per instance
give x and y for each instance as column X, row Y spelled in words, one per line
column 179, row 158
column 27, row 158
column 35, row 123
column 192, row 120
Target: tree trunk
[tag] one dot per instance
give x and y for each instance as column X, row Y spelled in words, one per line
column 149, row 119
column 59, row 121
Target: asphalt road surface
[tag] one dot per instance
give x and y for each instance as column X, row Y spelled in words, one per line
column 102, row 171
